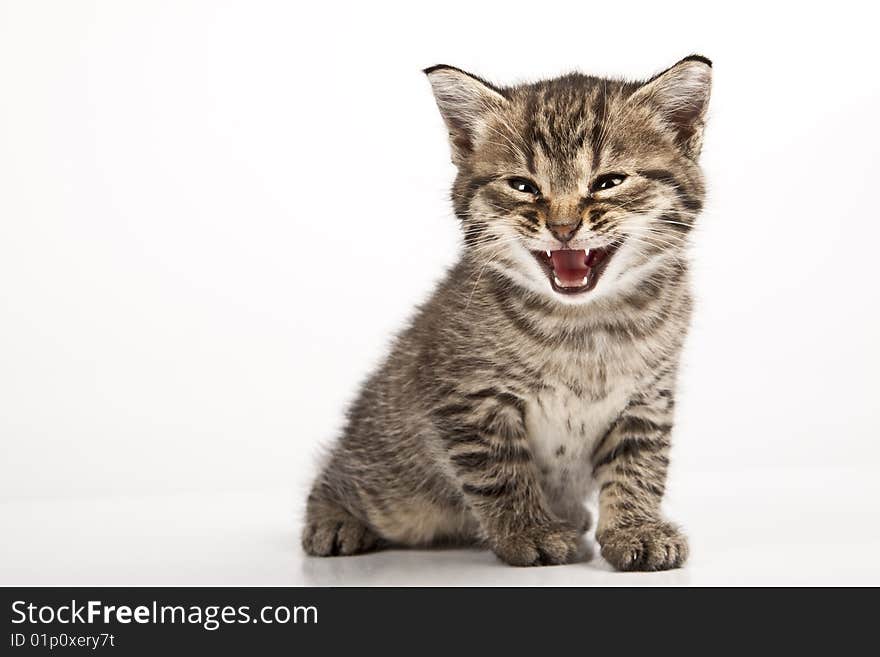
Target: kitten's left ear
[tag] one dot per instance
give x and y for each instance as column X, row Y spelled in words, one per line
column 466, row 102
column 681, row 95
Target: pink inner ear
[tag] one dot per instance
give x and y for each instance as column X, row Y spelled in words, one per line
column 685, row 118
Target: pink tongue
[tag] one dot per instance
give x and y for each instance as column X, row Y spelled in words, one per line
column 570, row 266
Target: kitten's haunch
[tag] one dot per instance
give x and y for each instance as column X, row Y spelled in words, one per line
column 543, row 367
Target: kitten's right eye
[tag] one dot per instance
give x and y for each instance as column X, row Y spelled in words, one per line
column 524, row 186
column 607, row 181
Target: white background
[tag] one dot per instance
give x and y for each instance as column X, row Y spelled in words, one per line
column 213, row 215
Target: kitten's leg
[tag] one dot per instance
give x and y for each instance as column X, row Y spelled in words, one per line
column 330, row 530
column 493, row 464
column 630, row 464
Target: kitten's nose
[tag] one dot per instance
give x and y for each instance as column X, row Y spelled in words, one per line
column 564, row 232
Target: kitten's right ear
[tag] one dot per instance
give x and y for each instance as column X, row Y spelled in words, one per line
column 465, row 102
column 681, row 95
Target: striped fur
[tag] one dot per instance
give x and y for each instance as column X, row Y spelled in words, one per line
column 505, row 405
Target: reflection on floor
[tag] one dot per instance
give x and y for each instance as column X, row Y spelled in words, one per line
column 755, row 534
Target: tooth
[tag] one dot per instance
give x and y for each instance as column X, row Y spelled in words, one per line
column 584, row 282
column 558, row 282
column 548, row 253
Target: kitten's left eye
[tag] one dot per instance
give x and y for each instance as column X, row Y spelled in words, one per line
column 524, row 186
column 607, row 181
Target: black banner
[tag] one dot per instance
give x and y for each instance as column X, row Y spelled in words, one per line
column 147, row 621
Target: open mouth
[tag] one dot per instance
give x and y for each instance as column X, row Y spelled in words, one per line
column 573, row 271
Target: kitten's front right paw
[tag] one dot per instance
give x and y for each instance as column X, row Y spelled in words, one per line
column 653, row 545
column 541, row 545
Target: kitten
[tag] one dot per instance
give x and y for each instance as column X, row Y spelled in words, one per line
column 543, row 367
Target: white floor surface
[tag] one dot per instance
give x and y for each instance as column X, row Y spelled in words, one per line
column 818, row 529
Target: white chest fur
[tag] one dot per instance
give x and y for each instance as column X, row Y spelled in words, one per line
column 562, row 429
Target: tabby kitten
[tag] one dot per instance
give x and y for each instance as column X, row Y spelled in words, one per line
column 543, row 367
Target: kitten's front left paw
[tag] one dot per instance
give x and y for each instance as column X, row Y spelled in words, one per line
column 653, row 545
column 337, row 536
column 541, row 545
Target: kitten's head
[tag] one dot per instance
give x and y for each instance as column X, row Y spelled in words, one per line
column 579, row 186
